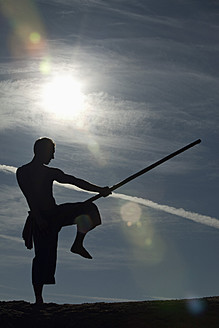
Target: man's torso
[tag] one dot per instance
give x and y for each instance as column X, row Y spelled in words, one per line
column 36, row 182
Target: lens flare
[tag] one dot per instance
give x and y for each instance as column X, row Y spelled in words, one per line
column 84, row 223
column 95, row 149
column 130, row 213
column 45, row 66
column 147, row 245
column 27, row 33
column 35, row 37
column 196, row 306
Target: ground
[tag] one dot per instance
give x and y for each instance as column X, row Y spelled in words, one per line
column 201, row 313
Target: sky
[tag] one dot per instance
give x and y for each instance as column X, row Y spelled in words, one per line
column 118, row 85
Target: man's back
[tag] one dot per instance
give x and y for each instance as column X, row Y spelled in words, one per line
column 36, row 183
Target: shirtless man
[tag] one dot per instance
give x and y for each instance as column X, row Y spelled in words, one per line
column 47, row 218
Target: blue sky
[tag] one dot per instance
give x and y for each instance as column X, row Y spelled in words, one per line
column 148, row 78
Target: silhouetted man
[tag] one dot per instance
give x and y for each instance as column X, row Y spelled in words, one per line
column 46, row 218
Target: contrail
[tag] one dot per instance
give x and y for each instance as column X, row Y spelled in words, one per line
column 8, row 169
column 199, row 218
column 196, row 217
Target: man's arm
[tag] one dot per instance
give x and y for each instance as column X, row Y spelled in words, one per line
column 62, row 177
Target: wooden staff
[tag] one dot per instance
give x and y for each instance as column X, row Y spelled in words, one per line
column 148, row 168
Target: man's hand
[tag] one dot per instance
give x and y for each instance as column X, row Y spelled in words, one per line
column 105, row 191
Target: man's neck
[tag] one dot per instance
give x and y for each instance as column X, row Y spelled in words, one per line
column 37, row 161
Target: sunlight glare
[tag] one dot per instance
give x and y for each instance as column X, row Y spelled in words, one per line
column 63, row 97
column 131, row 213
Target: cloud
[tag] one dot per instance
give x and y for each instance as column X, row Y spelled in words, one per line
column 195, row 217
column 7, row 169
column 147, row 75
column 11, row 238
column 17, row 110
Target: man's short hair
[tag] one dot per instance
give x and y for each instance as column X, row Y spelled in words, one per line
column 43, row 145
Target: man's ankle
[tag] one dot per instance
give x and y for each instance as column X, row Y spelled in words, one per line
column 38, row 289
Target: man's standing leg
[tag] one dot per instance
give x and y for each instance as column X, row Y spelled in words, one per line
column 44, row 263
column 38, row 291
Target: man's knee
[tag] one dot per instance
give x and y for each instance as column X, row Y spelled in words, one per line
column 84, row 223
column 89, row 219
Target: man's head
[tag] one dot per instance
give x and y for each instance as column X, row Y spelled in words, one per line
column 44, row 149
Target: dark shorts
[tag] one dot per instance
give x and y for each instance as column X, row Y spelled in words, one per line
column 85, row 216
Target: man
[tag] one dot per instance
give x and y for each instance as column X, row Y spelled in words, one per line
column 46, row 218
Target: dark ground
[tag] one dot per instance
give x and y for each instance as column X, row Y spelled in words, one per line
column 193, row 313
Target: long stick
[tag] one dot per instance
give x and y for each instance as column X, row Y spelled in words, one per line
column 148, row 168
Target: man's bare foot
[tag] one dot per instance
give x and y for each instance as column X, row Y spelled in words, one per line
column 81, row 251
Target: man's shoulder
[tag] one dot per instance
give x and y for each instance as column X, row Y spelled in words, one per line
column 23, row 168
column 54, row 171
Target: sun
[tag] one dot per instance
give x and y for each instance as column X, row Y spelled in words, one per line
column 62, row 96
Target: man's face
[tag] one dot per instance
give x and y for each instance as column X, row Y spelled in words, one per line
column 49, row 155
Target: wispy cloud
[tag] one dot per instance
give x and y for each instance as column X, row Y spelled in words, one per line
column 11, row 238
column 196, row 217
column 7, row 169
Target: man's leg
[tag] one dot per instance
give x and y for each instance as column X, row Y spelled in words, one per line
column 86, row 216
column 44, row 262
column 38, row 290
column 78, row 247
